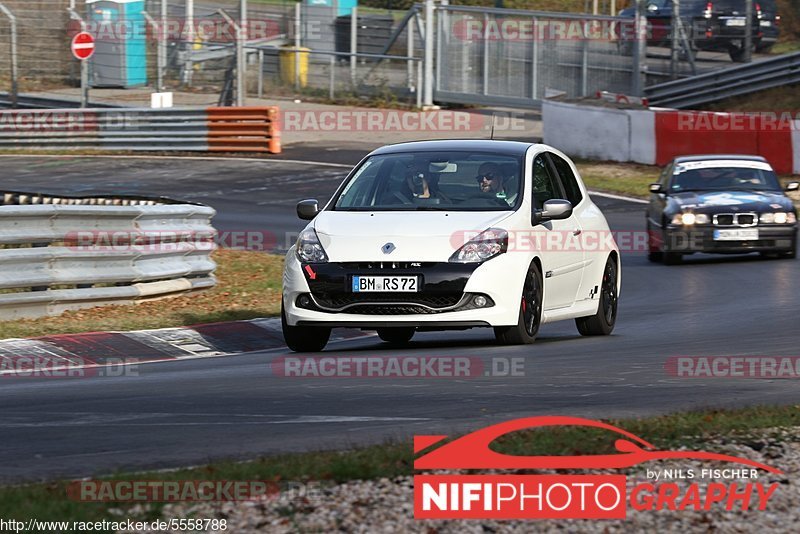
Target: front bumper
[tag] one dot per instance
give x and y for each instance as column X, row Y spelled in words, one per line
column 771, row 238
column 321, row 294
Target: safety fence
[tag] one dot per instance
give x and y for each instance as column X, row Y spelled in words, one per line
column 656, row 136
column 226, row 129
column 63, row 253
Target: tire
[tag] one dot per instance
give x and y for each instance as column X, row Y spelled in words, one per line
column 737, row 54
column 602, row 323
column 670, row 258
column 304, row 338
column 530, row 312
column 653, row 253
column 397, row 335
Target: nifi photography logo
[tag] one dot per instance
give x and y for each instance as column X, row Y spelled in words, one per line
column 572, row 496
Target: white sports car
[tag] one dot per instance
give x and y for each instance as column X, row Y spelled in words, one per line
column 451, row 235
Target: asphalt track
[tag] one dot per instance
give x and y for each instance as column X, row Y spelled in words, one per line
column 186, row 413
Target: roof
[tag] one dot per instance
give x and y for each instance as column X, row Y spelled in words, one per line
column 512, row 148
column 711, row 157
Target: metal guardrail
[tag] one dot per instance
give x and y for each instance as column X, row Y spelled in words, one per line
column 734, row 81
column 38, row 102
column 227, row 129
column 60, row 253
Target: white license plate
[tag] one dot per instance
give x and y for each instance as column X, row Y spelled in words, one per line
column 745, row 234
column 385, row 284
column 766, row 23
column 734, row 22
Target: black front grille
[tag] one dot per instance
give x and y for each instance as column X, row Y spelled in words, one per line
column 725, row 219
column 392, row 304
column 348, row 299
column 387, row 265
column 745, row 219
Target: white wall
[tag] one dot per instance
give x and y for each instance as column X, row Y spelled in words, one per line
column 600, row 132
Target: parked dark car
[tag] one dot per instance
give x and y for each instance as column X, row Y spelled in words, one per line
column 769, row 23
column 720, row 204
column 716, row 25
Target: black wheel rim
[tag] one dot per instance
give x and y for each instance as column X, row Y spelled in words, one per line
column 610, row 292
column 531, row 303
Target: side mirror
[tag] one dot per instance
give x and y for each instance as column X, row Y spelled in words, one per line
column 307, row 209
column 553, row 210
column 656, row 188
column 793, row 186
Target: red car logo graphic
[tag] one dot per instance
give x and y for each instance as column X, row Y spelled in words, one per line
column 472, row 451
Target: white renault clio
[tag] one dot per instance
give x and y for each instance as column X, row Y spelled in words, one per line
column 450, row 235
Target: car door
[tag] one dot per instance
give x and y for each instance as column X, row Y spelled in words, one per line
column 588, row 219
column 558, row 241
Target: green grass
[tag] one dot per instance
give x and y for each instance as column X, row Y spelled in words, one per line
column 630, row 179
column 249, row 286
column 47, row 501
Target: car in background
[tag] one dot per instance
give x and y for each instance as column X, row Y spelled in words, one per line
column 451, row 235
column 720, row 204
column 716, row 25
column 769, row 22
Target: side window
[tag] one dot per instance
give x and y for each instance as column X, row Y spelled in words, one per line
column 568, row 179
column 545, row 187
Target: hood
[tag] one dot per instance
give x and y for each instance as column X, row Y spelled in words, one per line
column 731, row 201
column 416, row 235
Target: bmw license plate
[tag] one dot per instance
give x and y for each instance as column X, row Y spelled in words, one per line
column 735, row 22
column 385, row 284
column 743, row 234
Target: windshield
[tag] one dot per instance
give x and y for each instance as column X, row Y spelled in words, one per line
column 724, row 178
column 447, row 181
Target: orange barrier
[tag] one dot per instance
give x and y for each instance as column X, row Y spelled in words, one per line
column 246, row 129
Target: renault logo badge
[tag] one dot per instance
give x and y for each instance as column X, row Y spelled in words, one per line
column 388, row 248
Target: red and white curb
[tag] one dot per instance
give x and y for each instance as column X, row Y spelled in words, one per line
column 48, row 355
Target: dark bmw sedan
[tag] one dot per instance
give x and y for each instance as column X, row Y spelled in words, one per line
column 720, row 204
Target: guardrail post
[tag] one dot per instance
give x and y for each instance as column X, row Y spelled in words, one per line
column 639, row 48
column 353, row 45
column 260, row 73
column 332, row 88
column 429, row 31
column 14, row 65
column 84, row 62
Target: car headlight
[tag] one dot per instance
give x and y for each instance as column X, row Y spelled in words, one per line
column 309, row 249
column 484, row 246
column 688, row 219
column 779, row 217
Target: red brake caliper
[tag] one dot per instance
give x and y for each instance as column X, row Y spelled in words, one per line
column 524, row 306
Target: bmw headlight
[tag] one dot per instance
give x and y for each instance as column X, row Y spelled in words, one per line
column 688, row 219
column 484, row 246
column 309, row 249
column 779, row 217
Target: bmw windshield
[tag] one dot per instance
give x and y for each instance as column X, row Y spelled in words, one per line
column 724, row 179
column 446, row 181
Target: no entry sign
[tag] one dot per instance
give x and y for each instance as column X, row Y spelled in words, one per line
column 83, row 45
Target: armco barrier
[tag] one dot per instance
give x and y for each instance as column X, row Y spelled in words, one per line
column 250, row 129
column 59, row 253
column 655, row 136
